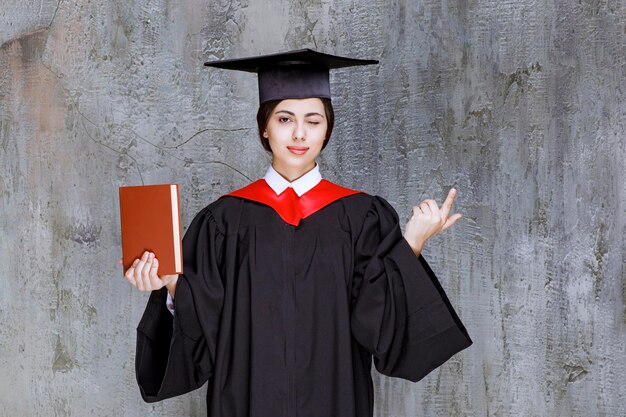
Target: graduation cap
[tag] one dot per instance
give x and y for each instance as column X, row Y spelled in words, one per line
column 300, row 73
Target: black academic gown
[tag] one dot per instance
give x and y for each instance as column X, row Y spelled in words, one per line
column 284, row 320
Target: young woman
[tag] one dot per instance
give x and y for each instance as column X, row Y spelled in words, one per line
column 292, row 285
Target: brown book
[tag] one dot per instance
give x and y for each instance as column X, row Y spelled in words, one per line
column 150, row 219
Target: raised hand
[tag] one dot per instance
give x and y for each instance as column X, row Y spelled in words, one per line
column 428, row 220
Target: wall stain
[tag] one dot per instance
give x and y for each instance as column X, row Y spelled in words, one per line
column 483, row 117
column 444, row 125
column 575, row 372
column 62, row 303
column 62, row 361
column 486, row 383
column 38, row 89
column 67, row 303
column 519, row 79
column 58, row 273
column 549, row 268
column 90, row 312
column 4, row 133
column 303, row 34
column 30, row 44
column 85, row 234
column 596, row 266
column 539, row 220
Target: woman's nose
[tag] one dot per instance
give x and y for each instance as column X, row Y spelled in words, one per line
column 298, row 131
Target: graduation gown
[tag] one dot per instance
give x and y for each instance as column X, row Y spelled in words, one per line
column 283, row 310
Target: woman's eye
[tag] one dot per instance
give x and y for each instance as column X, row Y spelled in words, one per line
column 283, row 119
column 314, row 123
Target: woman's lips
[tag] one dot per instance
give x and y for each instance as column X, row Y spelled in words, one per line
column 298, row 150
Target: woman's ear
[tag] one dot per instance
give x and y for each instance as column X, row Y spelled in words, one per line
column 265, row 134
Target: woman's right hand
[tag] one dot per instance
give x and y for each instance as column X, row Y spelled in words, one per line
column 428, row 220
column 143, row 275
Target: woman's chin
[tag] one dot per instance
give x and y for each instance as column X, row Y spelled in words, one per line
column 298, row 163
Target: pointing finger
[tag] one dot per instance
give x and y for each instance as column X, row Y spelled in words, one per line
column 447, row 205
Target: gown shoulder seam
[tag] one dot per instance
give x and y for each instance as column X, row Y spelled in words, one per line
column 209, row 213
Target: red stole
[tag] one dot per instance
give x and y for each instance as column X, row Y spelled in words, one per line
column 288, row 205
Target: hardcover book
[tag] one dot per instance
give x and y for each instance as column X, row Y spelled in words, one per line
column 150, row 220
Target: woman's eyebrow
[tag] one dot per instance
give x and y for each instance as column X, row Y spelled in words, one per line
column 293, row 114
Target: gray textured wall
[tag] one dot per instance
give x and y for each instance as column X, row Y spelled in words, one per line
column 519, row 104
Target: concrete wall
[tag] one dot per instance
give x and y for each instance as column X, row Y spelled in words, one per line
column 519, row 104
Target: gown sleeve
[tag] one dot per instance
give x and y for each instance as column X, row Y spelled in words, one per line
column 400, row 312
column 175, row 353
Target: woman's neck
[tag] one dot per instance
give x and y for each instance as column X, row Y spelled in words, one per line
column 292, row 173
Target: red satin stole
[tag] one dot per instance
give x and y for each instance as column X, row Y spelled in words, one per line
column 288, row 205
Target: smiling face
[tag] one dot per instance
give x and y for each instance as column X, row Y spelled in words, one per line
column 296, row 131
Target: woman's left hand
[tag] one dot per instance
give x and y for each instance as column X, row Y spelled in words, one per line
column 428, row 220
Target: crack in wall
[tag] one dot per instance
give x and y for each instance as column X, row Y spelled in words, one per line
column 54, row 15
column 75, row 103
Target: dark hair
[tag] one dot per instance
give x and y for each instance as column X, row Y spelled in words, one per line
column 265, row 112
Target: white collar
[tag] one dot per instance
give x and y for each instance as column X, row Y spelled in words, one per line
column 300, row 186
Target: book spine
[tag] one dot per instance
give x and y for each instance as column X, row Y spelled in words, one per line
column 176, row 226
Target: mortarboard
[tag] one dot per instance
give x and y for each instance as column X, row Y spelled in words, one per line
column 301, row 73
